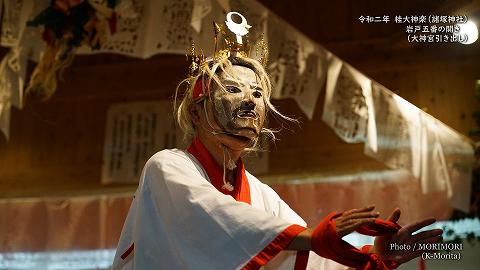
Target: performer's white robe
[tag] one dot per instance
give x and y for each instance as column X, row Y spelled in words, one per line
column 179, row 220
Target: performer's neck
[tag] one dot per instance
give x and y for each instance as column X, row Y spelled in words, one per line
column 216, row 148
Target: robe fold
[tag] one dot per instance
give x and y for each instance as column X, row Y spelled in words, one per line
column 180, row 220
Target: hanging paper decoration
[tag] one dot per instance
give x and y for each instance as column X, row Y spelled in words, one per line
column 131, row 28
column 297, row 66
column 200, row 9
column 404, row 137
column 475, row 198
column 12, row 77
column 15, row 14
column 153, row 27
column 24, row 45
column 68, row 24
column 5, row 107
column 134, row 132
column 311, row 79
column 447, row 162
column 345, row 107
column 393, row 130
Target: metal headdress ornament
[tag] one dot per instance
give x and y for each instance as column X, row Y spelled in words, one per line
column 234, row 42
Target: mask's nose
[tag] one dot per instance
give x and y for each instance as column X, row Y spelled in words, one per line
column 247, row 105
column 248, row 102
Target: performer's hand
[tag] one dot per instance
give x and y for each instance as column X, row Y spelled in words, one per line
column 404, row 237
column 352, row 219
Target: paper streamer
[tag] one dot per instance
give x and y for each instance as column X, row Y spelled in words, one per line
column 345, row 109
column 404, row 137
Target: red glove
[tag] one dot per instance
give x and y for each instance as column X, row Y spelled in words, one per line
column 327, row 243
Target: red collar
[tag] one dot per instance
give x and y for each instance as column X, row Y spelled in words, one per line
column 241, row 191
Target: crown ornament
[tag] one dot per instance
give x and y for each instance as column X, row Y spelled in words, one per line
column 230, row 39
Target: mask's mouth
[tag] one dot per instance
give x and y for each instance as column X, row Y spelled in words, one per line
column 247, row 114
column 245, row 134
column 244, row 139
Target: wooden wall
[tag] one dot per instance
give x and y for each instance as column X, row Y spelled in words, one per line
column 56, row 146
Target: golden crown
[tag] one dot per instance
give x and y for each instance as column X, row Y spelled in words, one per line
column 234, row 42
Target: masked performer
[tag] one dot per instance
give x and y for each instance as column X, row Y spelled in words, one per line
column 200, row 209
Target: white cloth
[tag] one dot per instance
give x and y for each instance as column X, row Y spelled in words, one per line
column 178, row 220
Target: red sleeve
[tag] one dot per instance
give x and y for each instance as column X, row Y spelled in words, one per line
column 278, row 244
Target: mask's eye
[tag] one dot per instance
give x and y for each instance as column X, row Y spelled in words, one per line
column 232, row 89
column 257, row 94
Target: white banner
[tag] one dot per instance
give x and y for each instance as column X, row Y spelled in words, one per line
column 404, row 137
column 297, row 66
column 134, row 132
column 345, row 109
column 5, row 117
column 15, row 15
column 447, row 162
column 25, row 42
column 393, row 130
